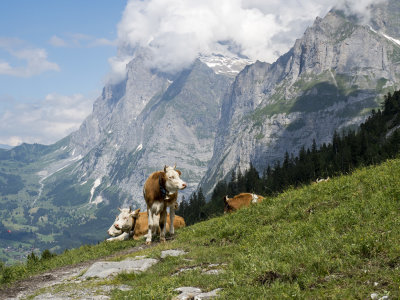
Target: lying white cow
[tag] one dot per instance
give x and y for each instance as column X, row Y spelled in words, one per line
column 124, row 223
column 135, row 226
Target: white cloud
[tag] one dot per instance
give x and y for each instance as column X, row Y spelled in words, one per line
column 57, row 41
column 34, row 60
column 79, row 40
column 45, row 121
column 11, row 141
column 102, row 42
column 177, row 31
column 361, row 8
column 118, row 68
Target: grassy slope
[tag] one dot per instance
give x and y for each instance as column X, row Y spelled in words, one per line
column 330, row 240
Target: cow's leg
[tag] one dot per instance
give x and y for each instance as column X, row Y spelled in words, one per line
column 163, row 224
column 123, row 237
column 150, row 225
column 171, row 219
column 156, row 223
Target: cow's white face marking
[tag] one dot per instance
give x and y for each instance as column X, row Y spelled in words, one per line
column 124, row 221
column 112, row 231
column 174, row 181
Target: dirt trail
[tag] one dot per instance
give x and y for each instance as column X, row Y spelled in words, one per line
column 28, row 286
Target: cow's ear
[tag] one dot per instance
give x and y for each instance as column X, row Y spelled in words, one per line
column 135, row 213
column 179, row 172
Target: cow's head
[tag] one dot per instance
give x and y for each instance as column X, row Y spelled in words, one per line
column 112, row 231
column 173, row 181
column 124, row 222
column 227, row 207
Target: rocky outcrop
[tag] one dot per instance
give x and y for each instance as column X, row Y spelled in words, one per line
column 331, row 78
column 74, row 281
column 149, row 120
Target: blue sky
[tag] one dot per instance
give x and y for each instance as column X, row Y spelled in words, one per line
column 73, row 40
column 81, row 64
column 56, row 55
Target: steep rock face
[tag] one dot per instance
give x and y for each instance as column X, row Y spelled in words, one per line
column 385, row 18
column 143, row 123
column 148, row 120
column 179, row 127
column 328, row 81
column 120, row 104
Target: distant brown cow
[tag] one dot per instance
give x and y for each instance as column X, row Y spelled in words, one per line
column 161, row 191
column 135, row 225
column 239, row 201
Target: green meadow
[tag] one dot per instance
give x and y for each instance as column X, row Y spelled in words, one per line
column 332, row 240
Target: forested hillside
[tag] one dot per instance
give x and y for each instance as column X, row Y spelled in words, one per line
column 377, row 139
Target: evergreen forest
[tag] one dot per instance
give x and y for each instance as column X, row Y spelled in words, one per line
column 376, row 140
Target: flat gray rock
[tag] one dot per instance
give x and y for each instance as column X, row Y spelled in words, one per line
column 188, row 289
column 209, row 295
column 213, row 272
column 49, row 296
column 188, row 292
column 105, row 269
column 166, row 253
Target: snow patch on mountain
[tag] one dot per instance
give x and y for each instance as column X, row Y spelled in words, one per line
column 391, row 39
column 220, row 64
column 96, row 183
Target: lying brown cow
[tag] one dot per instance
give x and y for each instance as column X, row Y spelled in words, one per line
column 239, row 201
column 135, row 223
column 142, row 224
column 161, row 191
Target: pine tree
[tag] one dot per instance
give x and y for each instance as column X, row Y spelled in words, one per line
column 253, row 182
column 378, row 138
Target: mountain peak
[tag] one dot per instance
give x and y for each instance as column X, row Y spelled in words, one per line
column 226, row 65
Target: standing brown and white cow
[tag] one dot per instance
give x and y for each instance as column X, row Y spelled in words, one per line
column 161, row 191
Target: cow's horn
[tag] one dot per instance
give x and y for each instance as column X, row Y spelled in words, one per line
column 119, row 209
column 165, row 168
column 130, row 208
column 175, row 166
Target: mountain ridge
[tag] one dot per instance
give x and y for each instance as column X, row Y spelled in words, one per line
column 294, row 98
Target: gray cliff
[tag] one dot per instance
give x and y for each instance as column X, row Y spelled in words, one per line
column 144, row 122
column 329, row 81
